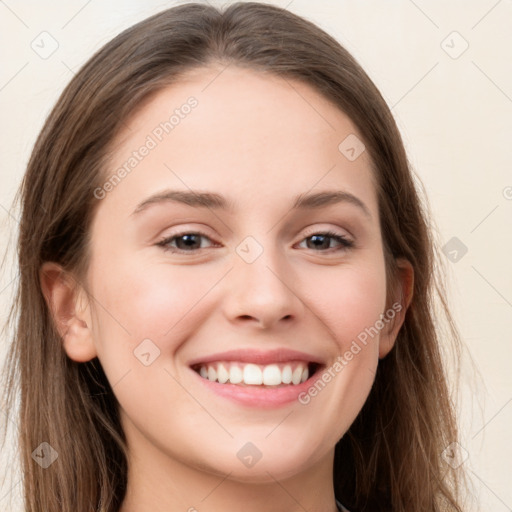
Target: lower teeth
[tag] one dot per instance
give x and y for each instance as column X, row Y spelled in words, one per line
column 254, row 385
column 243, row 384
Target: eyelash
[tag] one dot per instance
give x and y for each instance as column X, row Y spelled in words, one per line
column 345, row 242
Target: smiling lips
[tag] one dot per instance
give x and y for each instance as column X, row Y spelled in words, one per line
column 279, row 367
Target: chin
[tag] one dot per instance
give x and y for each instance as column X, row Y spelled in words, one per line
column 263, row 467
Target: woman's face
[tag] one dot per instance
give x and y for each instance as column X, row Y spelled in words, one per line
column 178, row 279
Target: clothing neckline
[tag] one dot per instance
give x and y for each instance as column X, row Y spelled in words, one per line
column 341, row 508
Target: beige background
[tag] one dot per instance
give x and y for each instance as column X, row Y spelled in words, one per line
column 454, row 108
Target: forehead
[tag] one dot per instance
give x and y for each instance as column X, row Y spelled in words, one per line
column 239, row 130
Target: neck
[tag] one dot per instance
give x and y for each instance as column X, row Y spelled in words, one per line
column 158, row 482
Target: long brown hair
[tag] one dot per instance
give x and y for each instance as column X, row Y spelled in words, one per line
column 390, row 458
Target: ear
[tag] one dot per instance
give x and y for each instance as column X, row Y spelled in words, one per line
column 70, row 310
column 402, row 299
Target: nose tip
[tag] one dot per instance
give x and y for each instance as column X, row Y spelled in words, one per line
column 261, row 295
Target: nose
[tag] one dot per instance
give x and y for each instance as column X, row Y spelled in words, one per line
column 262, row 293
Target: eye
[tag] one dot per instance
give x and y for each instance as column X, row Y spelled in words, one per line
column 191, row 241
column 323, row 239
column 185, row 242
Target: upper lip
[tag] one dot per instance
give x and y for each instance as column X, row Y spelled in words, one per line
column 279, row 355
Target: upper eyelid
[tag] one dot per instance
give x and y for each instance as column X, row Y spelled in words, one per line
column 308, row 233
column 315, row 230
column 330, row 232
column 308, row 229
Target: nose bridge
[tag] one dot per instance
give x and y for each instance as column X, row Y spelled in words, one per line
column 262, row 283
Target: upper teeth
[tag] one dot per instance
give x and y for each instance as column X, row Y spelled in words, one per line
column 254, row 374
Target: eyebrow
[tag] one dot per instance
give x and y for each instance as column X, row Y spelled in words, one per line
column 218, row 202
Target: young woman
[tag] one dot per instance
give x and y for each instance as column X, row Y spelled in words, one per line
column 226, row 283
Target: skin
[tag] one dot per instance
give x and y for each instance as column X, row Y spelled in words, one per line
column 260, row 141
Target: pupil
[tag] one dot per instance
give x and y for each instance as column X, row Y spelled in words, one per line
column 188, row 238
column 316, row 237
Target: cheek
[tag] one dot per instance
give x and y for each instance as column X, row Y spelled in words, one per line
column 146, row 313
column 349, row 301
column 154, row 299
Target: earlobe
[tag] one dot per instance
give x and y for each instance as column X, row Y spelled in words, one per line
column 403, row 298
column 72, row 321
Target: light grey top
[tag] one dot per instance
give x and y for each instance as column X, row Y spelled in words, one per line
column 341, row 508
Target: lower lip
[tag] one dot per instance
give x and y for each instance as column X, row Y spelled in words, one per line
column 256, row 396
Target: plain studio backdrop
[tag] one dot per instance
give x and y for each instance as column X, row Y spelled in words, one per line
column 444, row 69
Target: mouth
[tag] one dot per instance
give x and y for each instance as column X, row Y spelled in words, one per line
column 243, row 374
